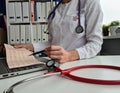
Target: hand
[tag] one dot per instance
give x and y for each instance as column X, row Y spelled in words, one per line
column 60, row 55
column 27, row 46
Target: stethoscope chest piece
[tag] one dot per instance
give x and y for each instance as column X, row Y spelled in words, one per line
column 51, row 64
column 79, row 29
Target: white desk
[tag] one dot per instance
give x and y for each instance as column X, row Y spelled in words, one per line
column 59, row 84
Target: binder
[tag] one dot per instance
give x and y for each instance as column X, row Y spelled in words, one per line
column 48, row 8
column 25, row 11
column 12, row 34
column 17, row 34
column 22, row 34
column 18, row 12
column 39, row 33
column 34, row 31
column 11, row 12
column 27, row 33
column 54, row 4
column 44, row 33
column 43, row 11
column 38, row 11
column 32, row 5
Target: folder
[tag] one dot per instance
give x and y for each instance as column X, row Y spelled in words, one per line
column 43, row 11
column 18, row 12
column 38, row 11
column 25, row 11
column 32, row 5
column 27, row 33
column 53, row 4
column 17, row 34
column 11, row 12
column 48, row 8
column 34, row 33
column 39, row 33
column 22, row 34
column 11, row 34
column 44, row 33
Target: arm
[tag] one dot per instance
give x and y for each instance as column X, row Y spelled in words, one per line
column 93, row 27
column 33, row 47
column 27, row 46
column 93, row 37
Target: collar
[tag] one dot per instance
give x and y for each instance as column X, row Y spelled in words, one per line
column 72, row 7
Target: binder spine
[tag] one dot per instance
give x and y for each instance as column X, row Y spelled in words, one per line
column 27, row 20
column 32, row 3
column 18, row 12
column 25, row 11
column 22, row 34
column 11, row 12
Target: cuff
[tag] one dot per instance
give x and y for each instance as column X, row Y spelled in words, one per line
column 81, row 53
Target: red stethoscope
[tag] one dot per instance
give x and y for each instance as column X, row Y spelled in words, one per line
column 55, row 70
column 67, row 73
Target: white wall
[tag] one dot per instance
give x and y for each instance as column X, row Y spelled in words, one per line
column 111, row 10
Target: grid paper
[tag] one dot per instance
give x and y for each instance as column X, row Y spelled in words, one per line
column 19, row 57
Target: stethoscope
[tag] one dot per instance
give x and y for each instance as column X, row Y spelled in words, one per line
column 79, row 29
column 53, row 66
column 55, row 70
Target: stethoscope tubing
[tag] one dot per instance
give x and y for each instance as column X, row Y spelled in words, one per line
column 52, row 14
column 67, row 73
column 90, row 80
column 79, row 12
column 79, row 29
column 10, row 89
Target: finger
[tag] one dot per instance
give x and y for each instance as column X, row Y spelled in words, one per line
column 18, row 46
column 56, row 57
column 53, row 52
column 61, row 61
column 53, row 48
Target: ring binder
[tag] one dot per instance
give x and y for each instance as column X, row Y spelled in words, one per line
column 31, row 17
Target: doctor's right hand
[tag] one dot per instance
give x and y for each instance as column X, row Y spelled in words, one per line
column 61, row 55
column 27, row 46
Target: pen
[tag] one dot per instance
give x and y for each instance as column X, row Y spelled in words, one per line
column 34, row 53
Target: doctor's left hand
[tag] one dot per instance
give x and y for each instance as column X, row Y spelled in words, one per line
column 60, row 55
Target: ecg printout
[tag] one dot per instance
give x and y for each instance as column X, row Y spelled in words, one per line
column 19, row 57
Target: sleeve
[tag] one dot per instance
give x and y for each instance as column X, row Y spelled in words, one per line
column 40, row 46
column 93, row 27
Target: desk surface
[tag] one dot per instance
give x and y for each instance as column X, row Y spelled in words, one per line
column 59, row 84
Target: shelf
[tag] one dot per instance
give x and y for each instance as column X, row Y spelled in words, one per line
column 27, row 20
column 18, row 0
column 36, row 22
column 111, row 37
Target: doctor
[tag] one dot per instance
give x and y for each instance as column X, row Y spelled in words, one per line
column 75, row 31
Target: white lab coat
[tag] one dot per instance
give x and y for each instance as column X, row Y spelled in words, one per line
column 62, row 28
